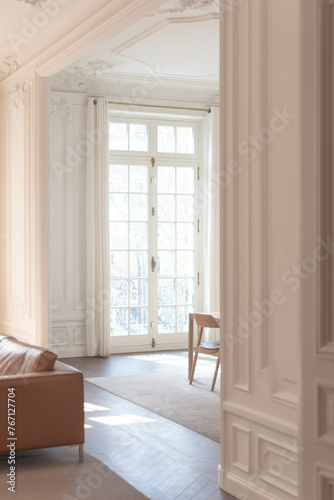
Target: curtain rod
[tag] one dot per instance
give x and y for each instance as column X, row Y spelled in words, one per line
column 208, row 110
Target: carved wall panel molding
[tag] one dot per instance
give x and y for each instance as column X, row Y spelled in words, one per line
column 59, row 335
column 278, row 465
column 325, row 406
column 325, row 486
column 241, row 450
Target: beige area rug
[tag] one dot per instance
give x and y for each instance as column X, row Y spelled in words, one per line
column 56, row 474
column 170, row 395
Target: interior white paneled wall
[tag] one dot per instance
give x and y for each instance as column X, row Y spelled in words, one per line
column 68, row 116
column 21, row 252
column 317, row 346
column 261, row 236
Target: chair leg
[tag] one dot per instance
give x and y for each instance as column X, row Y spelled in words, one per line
column 216, row 373
column 193, row 368
column 200, row 333
column 81, row 453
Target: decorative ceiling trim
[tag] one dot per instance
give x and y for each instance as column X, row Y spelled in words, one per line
column 162, row 24
column 11, row 63
column 164, row 93
column 161, row 79
column 34, row 3
column 189, row 5
column 81, row 77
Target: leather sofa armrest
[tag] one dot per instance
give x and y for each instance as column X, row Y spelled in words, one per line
column 48, row 408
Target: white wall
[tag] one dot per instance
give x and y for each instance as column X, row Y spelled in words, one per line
column 257, row 429
column 68, row 117
column 23, row 233
column 68, row 217
column 261, row 236
column 316, row 423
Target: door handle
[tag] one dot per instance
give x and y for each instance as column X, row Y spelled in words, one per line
column 153, row 264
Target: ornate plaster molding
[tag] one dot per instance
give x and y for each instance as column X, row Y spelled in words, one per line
column 182, row 6
column 62, row 108
column 10, row 63
column 17, row 96
column 81, row 77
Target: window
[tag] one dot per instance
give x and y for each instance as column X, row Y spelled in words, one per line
column 128, row 136
column 153, row 229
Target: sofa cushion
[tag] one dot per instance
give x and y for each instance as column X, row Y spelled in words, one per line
column 16, row 357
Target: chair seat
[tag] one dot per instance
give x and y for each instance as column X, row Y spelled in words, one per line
column 214, row 345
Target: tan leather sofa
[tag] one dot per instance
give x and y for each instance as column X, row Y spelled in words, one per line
column 49, row 399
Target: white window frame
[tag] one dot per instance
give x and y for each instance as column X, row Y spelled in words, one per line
column 117, row 152
column 163, row 341
column 183, row 156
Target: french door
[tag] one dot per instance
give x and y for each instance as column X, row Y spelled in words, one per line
column 153, row 240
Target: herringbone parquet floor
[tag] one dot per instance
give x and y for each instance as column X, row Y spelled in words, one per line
column 163, row 460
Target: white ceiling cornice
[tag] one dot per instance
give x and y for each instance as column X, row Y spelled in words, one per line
column 78, row 79
column 188, row 56
column 52, row 49
column 34, row 3
column 181, row 6
column 161, row 24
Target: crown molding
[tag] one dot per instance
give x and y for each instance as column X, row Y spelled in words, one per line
column 162, row 79
column 162, row 24
column 185, row 5
column 82, row 78
column 93, row 32
column 34, row 3
column 113, row 17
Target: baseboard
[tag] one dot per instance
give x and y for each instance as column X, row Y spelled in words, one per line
column 70, row 352
column 148, row 349
column 81, row 351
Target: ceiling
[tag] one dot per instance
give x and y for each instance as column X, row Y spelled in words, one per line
column 176, row 45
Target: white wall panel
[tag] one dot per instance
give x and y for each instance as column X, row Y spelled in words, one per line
column 19, row 197
column 317, row 347
column 67, row 223
column 325, row 483
column 79, row 214
column 260, row 241
column 59, row 199
column 325, row 407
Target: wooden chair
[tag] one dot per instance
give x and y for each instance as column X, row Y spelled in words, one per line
column 212, row 348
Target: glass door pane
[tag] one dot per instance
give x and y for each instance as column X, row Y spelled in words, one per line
column 128, row 219
column 175, row 246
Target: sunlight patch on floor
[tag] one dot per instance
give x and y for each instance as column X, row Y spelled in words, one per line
column 90, row 407
column 122, row 419
column 173, row 360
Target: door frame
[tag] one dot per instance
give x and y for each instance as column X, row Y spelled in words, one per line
column 137, row 343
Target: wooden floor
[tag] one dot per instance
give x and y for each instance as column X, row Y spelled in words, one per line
column 160, row 458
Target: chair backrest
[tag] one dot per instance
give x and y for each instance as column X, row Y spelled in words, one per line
column 205, row 320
